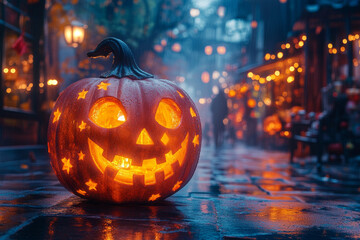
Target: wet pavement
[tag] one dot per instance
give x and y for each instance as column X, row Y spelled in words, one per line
column 242, row 193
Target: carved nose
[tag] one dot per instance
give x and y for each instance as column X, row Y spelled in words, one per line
column 144, row 138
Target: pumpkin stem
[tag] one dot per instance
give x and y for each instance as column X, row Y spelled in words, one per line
column 124, row 64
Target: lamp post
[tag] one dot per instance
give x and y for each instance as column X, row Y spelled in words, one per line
column 74, row 33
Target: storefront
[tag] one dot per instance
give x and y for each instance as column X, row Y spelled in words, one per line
column 22, row 72
column 306, row 72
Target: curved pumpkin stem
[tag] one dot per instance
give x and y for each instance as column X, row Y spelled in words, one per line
column 124, row 64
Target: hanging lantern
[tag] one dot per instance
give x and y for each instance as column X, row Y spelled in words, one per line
column 75, row 33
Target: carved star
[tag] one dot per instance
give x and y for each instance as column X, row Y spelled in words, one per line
column 154, row 197
column 82, row 126
column 82, row 94
column 196, row 140
column 177, row 186
column 57, row 114
column 67, row 165
column 103, row 85
column 81, row 155
column 81, row 192
column 92, row 185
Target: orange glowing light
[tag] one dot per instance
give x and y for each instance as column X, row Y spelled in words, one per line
column 6, row 70
column 299, row 69
column 280, row 55
column 287, row 45
column 272, row 56
column 144, row 138
column 82, row 94
column 330, row 45
column 277, row 73
column 81, row 156
column 267, row 101
column 342, row 49
column 301, row 44
column 304, row 37
column 163, row 42
column 92, row 185
column 205, row 77
column 208, row 50
column 13, row 70
column 251, row 103
column 81, row 192
column 158, row 48
column 283, row 46
column 344, row 41
column 176, row 47
column 253, row 24
column 180, row 94
column 221, row 50
column 192, row 112
column 107, row 112
column 250, row 74
column 57, row 114
column 82, row 126
column 262, row 80
column 154, row 197
column 127, row 171
column 196, row 140
column 290, row 79
column 67, row 165
column 177, row 185
column 272, row 125
column 103, row 86
column 168, row 114
column 267, row 57
column 232, row 93
column 165, row 139
column 52, row 82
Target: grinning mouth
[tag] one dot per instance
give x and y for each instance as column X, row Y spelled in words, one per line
column 149, row 169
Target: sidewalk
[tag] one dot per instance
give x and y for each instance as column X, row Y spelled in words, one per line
column 243, row 193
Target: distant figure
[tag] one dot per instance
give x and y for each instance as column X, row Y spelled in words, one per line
column 219, row 111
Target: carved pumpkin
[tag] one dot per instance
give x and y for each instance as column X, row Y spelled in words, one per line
column 126, row 136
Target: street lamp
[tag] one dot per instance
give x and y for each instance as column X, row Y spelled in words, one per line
column 74, row 33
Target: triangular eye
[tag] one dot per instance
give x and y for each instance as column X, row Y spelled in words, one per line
column 107, row 112
column 168, row 114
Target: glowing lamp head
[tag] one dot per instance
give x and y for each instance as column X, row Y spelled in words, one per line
column 74, row 33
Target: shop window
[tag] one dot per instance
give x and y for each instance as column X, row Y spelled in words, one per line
column 17, row 72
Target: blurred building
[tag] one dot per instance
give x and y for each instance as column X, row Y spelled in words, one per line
column 321, row 49
column 22, row 73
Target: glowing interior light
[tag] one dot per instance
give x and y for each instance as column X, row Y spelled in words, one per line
column 168, row 114
column 144, row 138
column 126, row 171
column 107, row 112
column 165, row 139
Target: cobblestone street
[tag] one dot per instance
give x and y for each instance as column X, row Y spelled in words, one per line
column 241, row 193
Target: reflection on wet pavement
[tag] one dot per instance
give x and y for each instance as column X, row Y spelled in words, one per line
column 242, row 193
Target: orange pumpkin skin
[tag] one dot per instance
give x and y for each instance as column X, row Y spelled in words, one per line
column 147, row 152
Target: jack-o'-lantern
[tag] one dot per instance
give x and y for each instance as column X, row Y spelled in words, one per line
column 126, row 136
